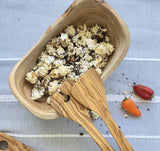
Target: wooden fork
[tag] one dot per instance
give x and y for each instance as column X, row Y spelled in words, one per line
column 89, row 91
column 72, row 110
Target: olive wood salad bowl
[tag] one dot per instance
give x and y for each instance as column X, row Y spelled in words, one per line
column 89, row 12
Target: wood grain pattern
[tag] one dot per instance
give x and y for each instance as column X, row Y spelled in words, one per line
column 90, row 92
column 89, row 12
column 78, row 113
column 14, row 145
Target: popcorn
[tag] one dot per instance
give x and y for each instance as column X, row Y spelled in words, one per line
column 54, row 73
column 52, row 87
column 87, row 57
column 42, row 71
column 107, row 39
column 64, row 37
column 95, row 29
column 92, row 44
column 31, row 77
column 63, row 70
column 50, row 50
column 70, row 30
column 64, row 40
column 48, row 100
column 79, row 51
column 37, row 93
column 99, row 71
column 98, row 58
column 68, row 56
column 60, row 52
column 58, row 63
column 94, row 115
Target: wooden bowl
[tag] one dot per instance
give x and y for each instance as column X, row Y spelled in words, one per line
column 88, row 12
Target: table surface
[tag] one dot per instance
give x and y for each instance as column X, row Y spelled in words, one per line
column 23, row 22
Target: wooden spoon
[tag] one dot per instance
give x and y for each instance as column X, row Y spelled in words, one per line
column 78, row 113
column 13, row 144
column 89, row 91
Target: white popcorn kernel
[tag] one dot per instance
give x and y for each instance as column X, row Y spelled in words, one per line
column 92, row 44
column 79, row 51
column 95, row 29
column 71, row 67
column 58, row 63
column 101, row 50
column 76, row 78
column 94, row 63
column 31, row 77
column 47, row 59
column 83, row 69
column 64, row 37
column 81, row 28
column 45, row 81
column 60, row 52
column 48, row 100
column 50, row 50
column 42, row 71
column 71, row 52
column 87, row 57
column 70, row 30
column 37, row 93
column 94, row 115
column 110, row 48
column 55, row 42
column 120, row 107
column 64, row 40
column 102, row 64
column 54, row 73
column 124, row 92
column 63, row 70
column 99, row 71
column 104, row 30
column 83, row 40
column 81, row 34
column 107, row 39
column 71, row 75
column 125, row 115
column 88, row 34
column 52, row 87
column 75, row 39
column 98, row 58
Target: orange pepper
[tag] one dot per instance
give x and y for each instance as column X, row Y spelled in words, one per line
column 130, row 107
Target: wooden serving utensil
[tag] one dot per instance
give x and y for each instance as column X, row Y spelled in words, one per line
column 90, row 92
column 13, row 144
column 72, row 110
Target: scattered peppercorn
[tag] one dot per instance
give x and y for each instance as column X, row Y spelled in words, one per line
column 81, row 134
column 147, row 109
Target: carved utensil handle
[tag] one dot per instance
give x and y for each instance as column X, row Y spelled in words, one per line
column 119, row 137
column 13, row 145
